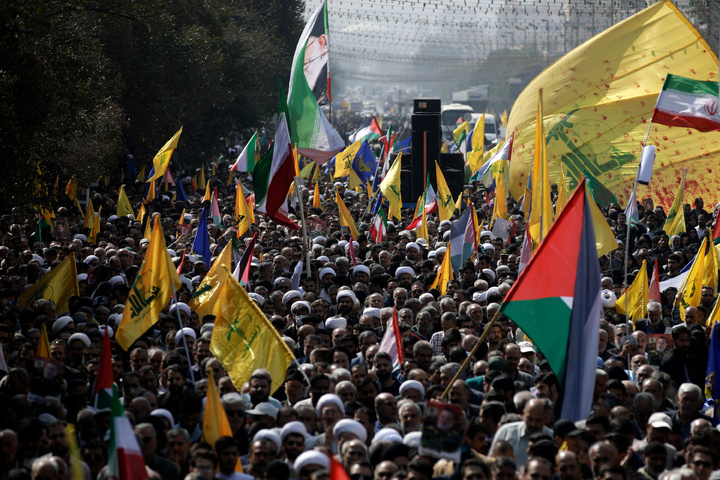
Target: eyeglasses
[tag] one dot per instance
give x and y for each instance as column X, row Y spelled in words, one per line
column 701, row 464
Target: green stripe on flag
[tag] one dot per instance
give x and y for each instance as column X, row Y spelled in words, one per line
column 688, row 85
column 550, row 338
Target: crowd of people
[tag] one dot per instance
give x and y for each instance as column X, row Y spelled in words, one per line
column 343, row 398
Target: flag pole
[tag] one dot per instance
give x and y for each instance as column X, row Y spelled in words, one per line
column 464, row 365
column 187, row 352
column 298, row 195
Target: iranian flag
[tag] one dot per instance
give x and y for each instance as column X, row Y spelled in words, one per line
column 392, row 341
column 103, row 386
column 556, row 302
column 684, row 102
column 311, row 132
column 249, row 156
column 369, row 131
column 125, row 459
column 379, row 226
column 274, row 174
column 429, row 203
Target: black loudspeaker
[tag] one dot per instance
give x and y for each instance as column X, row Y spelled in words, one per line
column 452, row 166
column 426, row 143
column 426, row 105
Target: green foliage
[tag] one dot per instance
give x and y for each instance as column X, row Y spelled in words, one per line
column 80, row 80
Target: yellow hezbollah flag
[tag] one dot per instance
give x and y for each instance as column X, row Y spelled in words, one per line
column 43, row 349
column 599, row 99
column 242, row 216
column 201, row 179
column 75, row 464
column 562, row 196
column 541, row 214
column 71, row 189
column 244, row 339
column 446, row 206
column 675, row 221
column 215, row 421
column 445, row 274
column 206, row 294
column 151, row 291
column 477, row 142
column 148, row 230
column 92, row 238
column 605, row 240
column 58, row 285
column 692, row 287
column 637, row 296
column 89, row 214
column 141, row 213
column 345, row 217
column 710, row 275
column 151, row 192
column 460, row 133
column 307, row 170
column 499, row 172
column 208, row 193
column 140, row 176
column 316, row 196
column 344, row 159
column 390, row 187
column 162, row 158
column 123, row 207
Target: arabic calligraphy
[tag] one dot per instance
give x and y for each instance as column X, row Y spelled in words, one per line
column 138, row 303
column 236, row 328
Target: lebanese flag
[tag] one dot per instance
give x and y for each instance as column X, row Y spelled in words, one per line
column 379, row 226
column 654, row 288
column 125, row 459
column 684, row 102
column 103, row 386
column 392, row 341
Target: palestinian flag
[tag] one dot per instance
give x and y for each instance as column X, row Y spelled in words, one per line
column 274, row 174
column 379, row 226
column 684, row 102
column 242, row 270
column 556, row 302
column 462, row 239
column 103, row 387
column 368, row 131
column 392, row 341
column 125, row 459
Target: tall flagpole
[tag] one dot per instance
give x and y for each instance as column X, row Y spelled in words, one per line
column 304, row 225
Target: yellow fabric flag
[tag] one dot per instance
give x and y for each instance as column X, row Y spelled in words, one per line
column 58, row 285
column 141, row 213
column 460, row 133
column 345, row 218
column 446, row 205
column 244, row 339
column 162, row 158
column 43, row 349
column 148, row 230
column 504, row 118
column 500, row 173
column 297, row 160
column 150, row 293
column 710, row 274
column 541, row 214
column 89, row 214
column 344, row 159
column 214, row 167
column 692, row 287
column 215, row 422
column 208, row 192
column 458, row 203
column 445, row 274
column 316, row 196
column 605, row 240
column 206, row 294
column 242, row 216
column 476, row 156
column 390, row 187
column 151, row 192
column 202, row 181
column 251, row 208
column 75, row 464
column 562, row 197
column 599, row 98
column 71, row 189
column 675, row 221
column 637, row 296
column 92, row 237
column 714, row 315
column 353, row 180
column 307, row 170
column 141, row 176
column 229, row 180
column 123, row 207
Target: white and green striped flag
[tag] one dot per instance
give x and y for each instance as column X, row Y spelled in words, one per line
column 684, row 102
column 309, row 127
